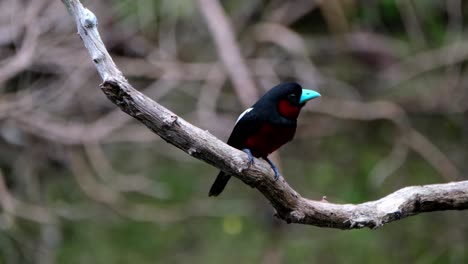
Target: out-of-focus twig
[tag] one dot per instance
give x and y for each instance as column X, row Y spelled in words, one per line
column 24, row 56
column 427, row 60
column 390, row 111
column 389, row 164
column 34, row 213
column 411, row 22
column 333, row 11
column 229, row 51
column 121, row 183
column 291, row 11
column 113, row 198
column 291, row 42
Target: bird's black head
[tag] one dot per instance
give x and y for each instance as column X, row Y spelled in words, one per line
column 287, row 98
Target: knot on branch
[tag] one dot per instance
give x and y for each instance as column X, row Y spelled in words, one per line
column 361, row 222
column 170, row 122
column 114, row 90
column 298, row 216
column 295, row 216
column 90, row 20
column 192, row 151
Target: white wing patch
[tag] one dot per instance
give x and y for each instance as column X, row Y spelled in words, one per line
column 243, row 114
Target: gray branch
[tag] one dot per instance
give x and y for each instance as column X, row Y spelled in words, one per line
column 289, row 205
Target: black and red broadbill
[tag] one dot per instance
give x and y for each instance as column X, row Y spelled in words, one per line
column 267, row 125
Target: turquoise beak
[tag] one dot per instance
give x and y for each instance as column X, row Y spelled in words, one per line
column 308, row 95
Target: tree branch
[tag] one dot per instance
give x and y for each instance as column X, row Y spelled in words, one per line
column 290, row 206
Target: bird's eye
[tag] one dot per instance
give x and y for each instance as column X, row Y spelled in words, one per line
column 292, row 97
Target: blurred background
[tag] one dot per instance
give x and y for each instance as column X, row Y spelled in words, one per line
column 82, row 182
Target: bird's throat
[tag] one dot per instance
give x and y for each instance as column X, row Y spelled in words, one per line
column 288, row 110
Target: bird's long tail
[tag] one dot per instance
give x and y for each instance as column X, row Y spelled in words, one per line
column 219, row 184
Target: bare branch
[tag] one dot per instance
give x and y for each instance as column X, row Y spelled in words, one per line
column 290, row 206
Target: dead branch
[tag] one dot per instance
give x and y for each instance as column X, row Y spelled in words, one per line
column 290, row 206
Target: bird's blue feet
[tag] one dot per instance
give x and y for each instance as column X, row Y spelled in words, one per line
column 275, row 169
column 251, row 158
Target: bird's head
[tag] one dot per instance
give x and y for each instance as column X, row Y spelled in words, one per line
column 288, row 98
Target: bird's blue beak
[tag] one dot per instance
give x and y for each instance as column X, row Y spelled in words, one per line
column 308, row 95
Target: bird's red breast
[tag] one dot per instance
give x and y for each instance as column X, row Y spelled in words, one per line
column 268, row 139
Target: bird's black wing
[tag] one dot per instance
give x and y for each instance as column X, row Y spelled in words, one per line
column 247, row 125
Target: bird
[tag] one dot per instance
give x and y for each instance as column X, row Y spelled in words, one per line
column 263, row 128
